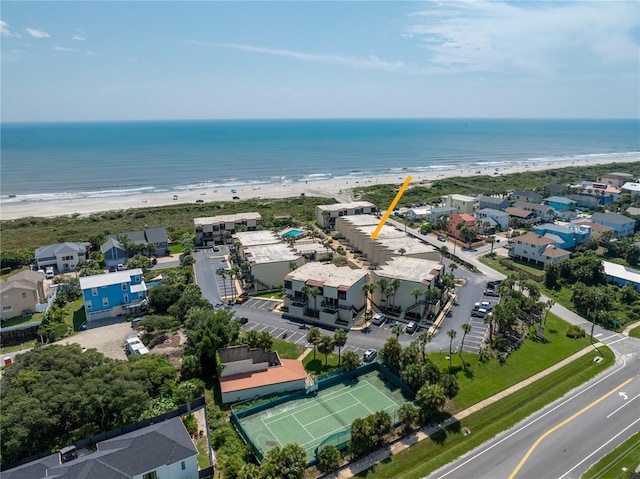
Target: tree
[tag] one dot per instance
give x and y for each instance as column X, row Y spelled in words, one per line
column 381, row 425
column 329, row 458
column 551, row 275
column 431, row 398
column 325, row 346
column 339, row 340
column 390, row 354
column 138, row 261
column 288, row 462
column 466, row 328
column 361, row 436
column 187, row 243
column 223, row 272
column 408, row 415
column 350, row 360
column 265, row 341
column 416, row 293
column 402, row 251
column 424, row 339
column 452, row 333
column 162, row 297
column 449, row 384
column 397, row 330
column 313, row 337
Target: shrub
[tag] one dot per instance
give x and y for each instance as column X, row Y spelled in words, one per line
column 575, row 332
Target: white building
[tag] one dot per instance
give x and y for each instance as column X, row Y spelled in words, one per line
column 462, row 203
column 412, row 274
column 339, row 299
column 269, row 263
column 621, row 275
column 63, row 257
column 326, row 214
column 537, row 249
column 495, row 218
column 213, row 229
column 631, row 188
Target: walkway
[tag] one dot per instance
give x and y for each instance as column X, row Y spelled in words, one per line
column 375, row 457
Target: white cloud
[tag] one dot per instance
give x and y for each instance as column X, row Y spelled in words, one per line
column 5, row 32
column 371, row 62
column 528, row 38
column 63, row 49
column 78, row 37
column 37, row 33
column 90, row 53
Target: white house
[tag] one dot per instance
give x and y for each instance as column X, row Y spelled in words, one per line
column 621, row 275
column 631, row 188
column 493, row 217
column 63, row 257
column 537, row 249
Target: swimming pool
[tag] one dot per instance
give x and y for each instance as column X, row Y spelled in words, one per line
column 292, row 233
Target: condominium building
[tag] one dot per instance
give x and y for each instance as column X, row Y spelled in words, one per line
column 218, row 229
column 462, row 203
column 326, row 215
column 269, row 263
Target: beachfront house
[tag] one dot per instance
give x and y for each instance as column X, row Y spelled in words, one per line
column 462, row 203
column 214, row 230
column 113, row 294
column 250, row 373
column 148, row 241
column 326, row 215
column 492, row 202
column 556, row 189
column 396, row 282
column 596, row 229
column 114, row 253
column 621, row 275
column 603, row 193
column 526, row 195
column 622, row 226
column 615, row 179
column 326, row 294
column 537, row 249
column 63, row 257
column 21, row 293
column 163, row 450
column 631, row 188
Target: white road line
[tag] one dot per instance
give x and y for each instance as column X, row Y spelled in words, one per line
column 623, row 338
column 598, row 335
column 612, row 336
column 626, row 402
column 263, row 328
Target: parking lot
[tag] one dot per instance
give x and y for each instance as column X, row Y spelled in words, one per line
column 108, row 336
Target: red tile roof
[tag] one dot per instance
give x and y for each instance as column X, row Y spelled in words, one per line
column 291, row 370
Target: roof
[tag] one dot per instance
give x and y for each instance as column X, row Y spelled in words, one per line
column 270, row 253
column 527, row 205
column 346, row 206
column 27, row 275
column 517, row 212
column 559, row 199
column 527, row 194
column 290, row 370
column 534, row 239
column 253, row 238
column 463, row 217
column 491, row 212
column 327, row 274
column 99, row 280
column 234, row 218
column 492, row 200
column 633, row 211
column 122, row 457
column 111, row 242
column 463, row 198
column 552, row 251
column 60, row 248
column 631, row 186
column 17, row 284
column 613, row 218
column 410, row 269
column 622, row 272
column 147, row 235
column 594, row 226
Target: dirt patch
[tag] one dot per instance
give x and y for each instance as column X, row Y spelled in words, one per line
column 170, row 346
column 109, row 339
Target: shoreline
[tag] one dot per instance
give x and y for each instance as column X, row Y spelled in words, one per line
column 340, row 189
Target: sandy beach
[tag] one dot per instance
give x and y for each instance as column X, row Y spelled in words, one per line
column 340, row 189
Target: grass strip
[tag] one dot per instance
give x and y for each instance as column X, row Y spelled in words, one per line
column 619, row 463
column 446, row 445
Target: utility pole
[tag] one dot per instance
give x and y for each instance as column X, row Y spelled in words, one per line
column 593, row 324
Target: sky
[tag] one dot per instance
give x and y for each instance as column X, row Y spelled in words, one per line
column 153, row 60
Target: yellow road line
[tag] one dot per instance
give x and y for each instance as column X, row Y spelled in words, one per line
column 376, row 232
column 558, row 426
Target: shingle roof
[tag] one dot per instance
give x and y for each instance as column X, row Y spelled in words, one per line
column 111, row 242
column 614, row 218
column 59, row 248
column 27, row 275
column 555, row 252
column 534, row 239
column 99, row 280
column 511, row 211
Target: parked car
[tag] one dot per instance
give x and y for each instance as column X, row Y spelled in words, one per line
column 378, row 319
column 216, row 248
column 242, row 320
column 369, row 355
column 49, row 272
column 493, row 284
column 441, row 238
column 479, row 313
column 490, row 292
column 411, row 327
column 242, row 297
column 135, row 321
column 236, row 198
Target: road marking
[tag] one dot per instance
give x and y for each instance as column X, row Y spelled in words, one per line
column 623, row 395
column 384, row 219
column 598, row 450
column 566, row 421
column 635, row 397
column 617, row 341
column 598, row 335
column 612, row 336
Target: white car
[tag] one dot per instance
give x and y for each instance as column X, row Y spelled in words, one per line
column 378, row 319
column 369, row 355
column 49, row 272
column 411, row 327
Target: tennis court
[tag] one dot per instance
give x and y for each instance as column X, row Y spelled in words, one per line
column 308, row 420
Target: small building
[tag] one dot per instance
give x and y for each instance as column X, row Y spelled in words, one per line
column 462, row 203
column 418, row 213
column 621, row 275
column 631, row 188
column 326, row 215
column 219, row 229
column 491, row 202
column 537, row 249
column 135, row 346
column 339, row 299
column 250, row 373
column 162, row 451
column 113, row 294
column 559, row 203
column 622, row 226
column 63, row 257
column 615, row 179
column 497, row 219
column 526, row 195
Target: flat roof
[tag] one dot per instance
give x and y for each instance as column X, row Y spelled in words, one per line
column 309, row 247
column 270, row 253
column 346, row 206
column 328, row 274
column 360, row 220
column 253, row 238
column 410, row 269
column 622, row 272
column 385, row 232
column 458, row 197
column 233, row 218
column 411, row 245
column 107, row 279
column 289, row 370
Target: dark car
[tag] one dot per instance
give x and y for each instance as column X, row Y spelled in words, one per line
column 490, row 292
column 236, row 198
column 441, row 238
column 199, row 201
column 242, row 320
column 493, row 284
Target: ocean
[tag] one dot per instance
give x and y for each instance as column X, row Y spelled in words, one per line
column 76, row 160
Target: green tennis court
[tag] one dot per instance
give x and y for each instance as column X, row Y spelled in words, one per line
column 308, row 420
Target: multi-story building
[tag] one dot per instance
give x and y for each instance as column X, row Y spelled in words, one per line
column 269, row 263
column 497, row 219
column 21, row 293
column 559, row 203
column 458, row 221
column 325, row 293
column 219, row 229
column 462, row 203
column 63, row 257
column 143, row 239
column 564, row 236
column 622, row 226
column 113, row 294
column 411, row 274
column 537, row 249
column 615, row 179
column 326, row 215
column 493, row 203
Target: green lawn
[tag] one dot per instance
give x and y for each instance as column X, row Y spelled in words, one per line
column 287, row 350
column 635, row 332
column 445, row 446
column 619, row 463
column 203, row 453
column 317, row 365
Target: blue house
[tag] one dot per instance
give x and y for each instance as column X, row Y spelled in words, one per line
column 113, row 294
column 559, row 203
column 113, row 253
column 565, row 237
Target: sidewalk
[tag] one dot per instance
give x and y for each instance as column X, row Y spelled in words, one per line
column 381, row 454
column 630, row 327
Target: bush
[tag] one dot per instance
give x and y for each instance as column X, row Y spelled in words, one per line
column 575, row 332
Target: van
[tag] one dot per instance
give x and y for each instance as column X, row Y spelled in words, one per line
column 49, row 272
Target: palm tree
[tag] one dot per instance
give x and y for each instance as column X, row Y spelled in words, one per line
column 424, row 339
column 402, row 251
column 314, row 291
column 548, row 305
column 452, row 333
column 325, row 346
column 395, row 285
column 492, row 240
column 466, row 327
column 351, row 360
column 453, row 267
column 313, row 337
column 383, row 283
column 397, row 330
column 339, row 340
column 416, row 293
column 223, row 272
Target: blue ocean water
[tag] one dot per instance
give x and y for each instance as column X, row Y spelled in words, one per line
column 70, row 160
